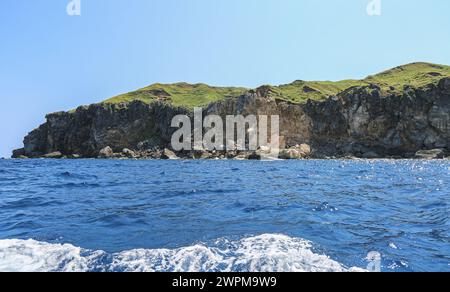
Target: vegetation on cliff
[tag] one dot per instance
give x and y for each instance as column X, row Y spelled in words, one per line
column 392, row 81
column 180, row 94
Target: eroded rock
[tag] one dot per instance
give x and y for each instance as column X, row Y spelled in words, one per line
column 53, row 155
column 430, row 154
column 169, row 154
column 106, row 152
column 297, row 152
column 129, row 153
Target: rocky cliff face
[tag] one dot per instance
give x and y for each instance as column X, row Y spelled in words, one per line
column 360, row 121
column 89, row 129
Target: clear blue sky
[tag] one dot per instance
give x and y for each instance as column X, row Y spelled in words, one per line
column 51, row 62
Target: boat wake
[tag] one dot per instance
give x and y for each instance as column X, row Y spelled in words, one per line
column 264, row 253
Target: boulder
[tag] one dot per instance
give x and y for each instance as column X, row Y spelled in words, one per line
column 153, row 154
column 74, row 156
column 290, row 154
column 128, row 153
column 53, row 155
column 200, row 155
column 255, row 155
column 206, row 155
column 305, row 150
column 231, row 154
column 169, row 154
column 297, row 152
column 241, row 156
column 118, row 156
column 430, row 154
column 349, row 157
column 106, row 152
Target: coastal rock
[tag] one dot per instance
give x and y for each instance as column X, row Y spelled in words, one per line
column 297, row 152
column 53, row 155
column 129, row 153
column 74, row 156
column 89, row 129
column 106, row 152
column 430, row 154
column 169, row 154
column 290, row 154
column 361, row 121
column 371, row 155
column 18, row 153
column 206, row 155
column 241, row 156
column 117, row 156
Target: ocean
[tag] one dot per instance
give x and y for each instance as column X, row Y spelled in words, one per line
column 316, row 215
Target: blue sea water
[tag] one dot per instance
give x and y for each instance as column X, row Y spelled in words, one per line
column 111, row 215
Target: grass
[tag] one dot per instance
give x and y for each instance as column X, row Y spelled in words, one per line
column 301, row 91
column 415, row 75
column 190, row 95
column 180, row 94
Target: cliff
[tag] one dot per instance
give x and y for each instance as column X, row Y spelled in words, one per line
column 402, row 112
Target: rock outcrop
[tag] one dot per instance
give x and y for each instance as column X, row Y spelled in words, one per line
column 361, row 121
column 298, row 152
column 106, row 152
column 430, row 154
column 89, row 129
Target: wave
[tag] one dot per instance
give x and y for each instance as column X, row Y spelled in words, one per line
column 264, row 253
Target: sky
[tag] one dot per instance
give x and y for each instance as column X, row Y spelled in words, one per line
column 50, row 61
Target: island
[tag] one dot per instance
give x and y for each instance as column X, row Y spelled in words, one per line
column 401, row 113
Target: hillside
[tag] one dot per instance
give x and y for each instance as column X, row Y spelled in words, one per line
column 180, row 94
column 190, row 95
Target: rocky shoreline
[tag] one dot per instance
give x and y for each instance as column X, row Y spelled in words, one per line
column 287, row 154
column 360, row 122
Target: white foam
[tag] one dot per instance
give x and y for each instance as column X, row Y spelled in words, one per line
column 33, row 256
column 264, row 253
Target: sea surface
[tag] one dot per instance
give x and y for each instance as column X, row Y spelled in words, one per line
column 107, row 215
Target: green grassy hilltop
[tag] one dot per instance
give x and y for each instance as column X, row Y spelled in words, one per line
column 191, row 95
column 180, row 94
